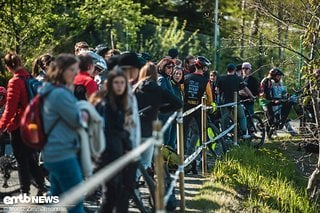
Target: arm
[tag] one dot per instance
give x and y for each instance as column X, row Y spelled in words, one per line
column 249, row 92
column 66, row 107
column 209, row 94
column 92, row 87
column 171, row 99
column 13, row 97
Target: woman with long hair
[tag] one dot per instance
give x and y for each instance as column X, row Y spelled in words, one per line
column 16, row 102
column 113, row 106
column 154, row 99
column 61, row 118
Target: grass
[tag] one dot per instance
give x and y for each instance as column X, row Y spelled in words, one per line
column 249, row 180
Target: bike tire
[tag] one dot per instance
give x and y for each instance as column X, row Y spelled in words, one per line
column 259, row 132
column 145, row 199
column 213, row 131
column 9, row 181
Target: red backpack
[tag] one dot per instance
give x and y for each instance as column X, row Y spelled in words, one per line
column 31, row 124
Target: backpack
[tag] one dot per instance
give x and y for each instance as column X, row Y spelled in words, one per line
column 31, row 124
column 32, row 86
column 80, row 92
column 171, row 158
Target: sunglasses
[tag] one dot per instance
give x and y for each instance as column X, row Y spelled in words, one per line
column 169, row 66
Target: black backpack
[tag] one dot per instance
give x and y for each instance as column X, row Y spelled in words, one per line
column 80, row 92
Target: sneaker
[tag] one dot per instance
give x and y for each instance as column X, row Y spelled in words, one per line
column 246, row 136
column 293, row 133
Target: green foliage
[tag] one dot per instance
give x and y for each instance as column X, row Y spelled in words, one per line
column 165, row 38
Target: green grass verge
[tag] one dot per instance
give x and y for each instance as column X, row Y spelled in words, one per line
column 250, row 180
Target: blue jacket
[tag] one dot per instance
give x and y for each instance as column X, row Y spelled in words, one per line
column 60, row 105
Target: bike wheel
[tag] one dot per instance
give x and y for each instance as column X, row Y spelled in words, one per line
column 257, row 131
column 9, row 180
column 217, row 147
column 144, row 196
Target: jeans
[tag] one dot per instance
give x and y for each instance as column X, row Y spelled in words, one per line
column 146, row 157
column 63, row 176
column 250, row 107
column 27, row 163
column 226, row 112
column 170, row 135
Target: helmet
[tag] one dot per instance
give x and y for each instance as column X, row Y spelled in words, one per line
column 275, row 71
column 98, row 61
column 202, row 62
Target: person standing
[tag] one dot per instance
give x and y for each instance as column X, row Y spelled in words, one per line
column 114, row 107
column 195, row 86
column 84, row 84
column 150, row 94
column 165, row 68
column 62, row 118
column 16, row 103
column 40, row 66
column 227, row 85
column 252, row 84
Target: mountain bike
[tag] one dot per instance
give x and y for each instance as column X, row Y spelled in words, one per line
column 303, row 113
column 9, row 181
column 256, row 132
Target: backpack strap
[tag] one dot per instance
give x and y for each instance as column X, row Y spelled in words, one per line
column 56, row 121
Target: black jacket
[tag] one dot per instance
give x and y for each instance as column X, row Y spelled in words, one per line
column 149, row 93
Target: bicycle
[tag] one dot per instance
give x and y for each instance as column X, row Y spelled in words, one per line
column 256, row 130
column 303, row 115
column 9, row 183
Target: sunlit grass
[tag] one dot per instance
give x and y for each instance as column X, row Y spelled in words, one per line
column 250, row 180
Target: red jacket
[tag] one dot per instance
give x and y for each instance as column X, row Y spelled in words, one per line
column 83, row 78
column 17, row 101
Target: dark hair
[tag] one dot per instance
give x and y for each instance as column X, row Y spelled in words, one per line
column 117, row 101
column 58, row 67
column 80, row 45
column 85, row 61
column 113, row 52
column 162, row 64
column 12, row 60
column 42, row 62
column 149, row 70
column 187, row 59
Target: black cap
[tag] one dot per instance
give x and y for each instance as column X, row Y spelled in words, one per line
column 231, row 67
column 112, row 61
column 129, row 59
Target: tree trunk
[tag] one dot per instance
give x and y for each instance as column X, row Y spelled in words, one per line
column 279, row 27
column 243, row 7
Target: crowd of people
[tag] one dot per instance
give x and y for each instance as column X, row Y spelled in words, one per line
column 129, row 91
